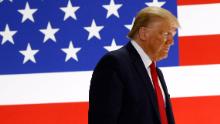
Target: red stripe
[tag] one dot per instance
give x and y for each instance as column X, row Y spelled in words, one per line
column 189, row 2
column 197, row 110
column 199, row 50
column 65, row 113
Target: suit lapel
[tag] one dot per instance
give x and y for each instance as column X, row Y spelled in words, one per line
column 142, row 72
column 162, row 81
column 167, row 96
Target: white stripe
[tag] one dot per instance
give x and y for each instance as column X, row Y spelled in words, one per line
column 181, row 81
column 44, row 88
column 188, row 81
column 199, row 19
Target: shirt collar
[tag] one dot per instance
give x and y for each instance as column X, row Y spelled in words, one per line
column 144, row 57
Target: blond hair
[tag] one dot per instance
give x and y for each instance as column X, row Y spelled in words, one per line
column 149, row 15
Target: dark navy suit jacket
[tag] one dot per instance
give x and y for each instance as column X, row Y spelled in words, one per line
column 121, row 91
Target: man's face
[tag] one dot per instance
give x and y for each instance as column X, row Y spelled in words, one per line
column 159, row 39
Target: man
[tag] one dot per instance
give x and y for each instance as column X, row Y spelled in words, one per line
column 126, row 87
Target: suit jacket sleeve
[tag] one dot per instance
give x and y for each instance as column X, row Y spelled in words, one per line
column 105, row 95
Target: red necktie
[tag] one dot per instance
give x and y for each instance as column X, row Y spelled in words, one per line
column 160, row 100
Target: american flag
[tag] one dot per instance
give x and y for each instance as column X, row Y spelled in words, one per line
column 48, row 50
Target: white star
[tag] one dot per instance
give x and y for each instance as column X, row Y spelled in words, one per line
column 71, row 52
column 7, row 35
column 69, row 10
column 49, row 32
column 155, row 3
column 3, row 0
column 28, row 54
column 27, row 13
column 113, row 46
column 94, row 30
column 112, row 9
column 131, row 25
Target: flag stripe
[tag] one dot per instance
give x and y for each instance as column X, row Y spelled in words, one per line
column 195, row 107
column 197, row 80
column 197, row 50
column 63, row 113
column 190, row 2
column 199, row 19
column 197, row 110
column 46, row 88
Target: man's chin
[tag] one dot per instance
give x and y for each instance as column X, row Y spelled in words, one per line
column 162, row 57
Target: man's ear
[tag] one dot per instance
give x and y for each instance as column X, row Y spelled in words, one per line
column 143, row 33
